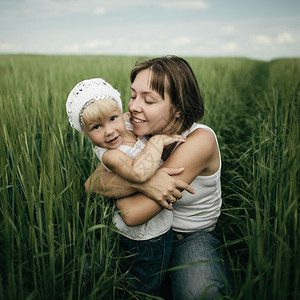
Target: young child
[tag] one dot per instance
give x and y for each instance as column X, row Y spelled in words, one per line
column 94, row 107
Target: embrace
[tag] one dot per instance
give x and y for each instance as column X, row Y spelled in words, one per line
column 167, row 190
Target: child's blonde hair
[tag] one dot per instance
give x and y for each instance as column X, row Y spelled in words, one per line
column 98, row 110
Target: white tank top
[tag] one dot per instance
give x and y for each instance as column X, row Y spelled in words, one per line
column 199, row 211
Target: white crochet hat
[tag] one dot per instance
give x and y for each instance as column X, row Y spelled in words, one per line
column 86, row 92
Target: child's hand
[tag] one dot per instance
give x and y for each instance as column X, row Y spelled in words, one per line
column 170, row 139
column 126, row 117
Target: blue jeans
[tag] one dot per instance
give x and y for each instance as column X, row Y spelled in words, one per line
column 147, row 265
column 206, row 276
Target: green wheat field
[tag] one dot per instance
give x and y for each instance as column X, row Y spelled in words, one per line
column 50, row 230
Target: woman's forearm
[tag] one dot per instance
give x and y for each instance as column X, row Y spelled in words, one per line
column 137, row 209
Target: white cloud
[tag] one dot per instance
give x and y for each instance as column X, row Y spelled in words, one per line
column 52, row 8
column 271, row 43
column 180, row 41
column 227, row 30
column 97, row 44
column 74, row 48
column 229, row 47
column 100, row 11
column 6, row 47
column 87, row 47
column 186, row 5
column 285, row 37
column 262, row 40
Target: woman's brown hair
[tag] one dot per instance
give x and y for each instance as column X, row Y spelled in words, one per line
column 173, row 75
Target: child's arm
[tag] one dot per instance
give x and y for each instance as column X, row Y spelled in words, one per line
column 141, row 168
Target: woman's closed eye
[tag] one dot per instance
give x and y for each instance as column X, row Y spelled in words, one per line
column 150, row 101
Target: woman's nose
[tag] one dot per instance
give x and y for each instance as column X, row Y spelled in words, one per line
column 135, row 105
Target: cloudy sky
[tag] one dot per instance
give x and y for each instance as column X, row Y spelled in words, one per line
column 260, row 29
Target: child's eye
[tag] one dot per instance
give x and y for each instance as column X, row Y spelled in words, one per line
column 96, row 127
column 113, row 118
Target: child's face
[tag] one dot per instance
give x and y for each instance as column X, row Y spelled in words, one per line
column 108, row 132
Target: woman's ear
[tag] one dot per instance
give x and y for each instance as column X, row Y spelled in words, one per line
column 177, row 114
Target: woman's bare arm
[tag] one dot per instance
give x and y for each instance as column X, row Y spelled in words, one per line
column 137, row 209
column 199, row 155
column 158, row 188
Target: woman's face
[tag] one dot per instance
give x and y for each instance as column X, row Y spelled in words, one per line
column 150, row 113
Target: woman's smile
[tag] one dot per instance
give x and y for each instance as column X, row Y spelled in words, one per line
column 136, row 120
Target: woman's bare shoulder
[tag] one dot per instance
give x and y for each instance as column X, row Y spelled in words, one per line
column 202, row 136
column 198, row 154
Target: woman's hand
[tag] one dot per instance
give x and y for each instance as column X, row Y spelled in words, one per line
column 165, row 189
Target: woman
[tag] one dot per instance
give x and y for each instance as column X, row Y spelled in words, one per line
column 166, row 99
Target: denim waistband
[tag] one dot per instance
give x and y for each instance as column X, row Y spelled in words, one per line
column 180, row 235
column 183, row 235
